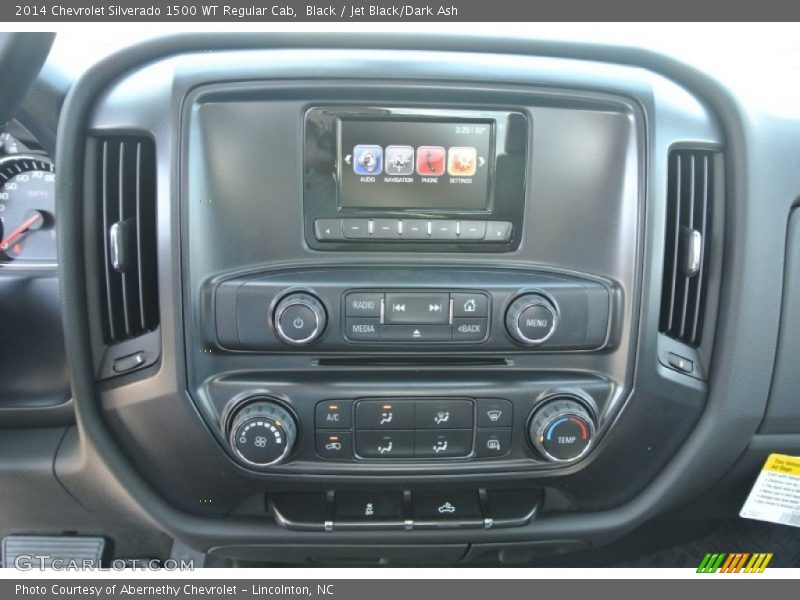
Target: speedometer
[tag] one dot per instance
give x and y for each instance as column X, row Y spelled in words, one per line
column 27, row 210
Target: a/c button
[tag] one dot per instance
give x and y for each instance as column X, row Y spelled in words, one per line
column 334, row 414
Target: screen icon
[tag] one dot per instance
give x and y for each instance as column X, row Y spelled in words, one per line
column 367, row 160
column 430, row 161
column 462, row 161
column 399, row 160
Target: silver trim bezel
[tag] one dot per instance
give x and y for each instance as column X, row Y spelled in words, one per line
column 310, row 303
column 516, row 332
column 290, row 443
column 589, row 422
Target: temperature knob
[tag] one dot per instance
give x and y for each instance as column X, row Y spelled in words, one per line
column 262, row 433
column 562, row 430
column 299, row 319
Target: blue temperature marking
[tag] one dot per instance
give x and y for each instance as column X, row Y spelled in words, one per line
column 554, row 425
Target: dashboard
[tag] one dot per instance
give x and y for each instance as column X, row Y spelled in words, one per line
column 27, row 203
column 508, row 303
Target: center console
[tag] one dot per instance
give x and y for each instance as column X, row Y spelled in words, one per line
column 407, row 303
column 409, row 180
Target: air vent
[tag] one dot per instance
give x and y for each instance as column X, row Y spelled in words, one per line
column 688, row 235
column 127, row 192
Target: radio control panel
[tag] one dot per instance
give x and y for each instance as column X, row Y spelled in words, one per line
column 416, row 316
column 343, row 310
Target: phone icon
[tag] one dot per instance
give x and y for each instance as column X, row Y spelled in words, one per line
column 430, row 161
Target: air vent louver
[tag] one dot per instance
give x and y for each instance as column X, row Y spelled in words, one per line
column 127, row 192
column 688, row 236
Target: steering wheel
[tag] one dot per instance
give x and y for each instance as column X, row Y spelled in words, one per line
column 21, row 58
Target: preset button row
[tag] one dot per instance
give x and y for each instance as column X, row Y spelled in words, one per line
column 404, row 509
column 411, row 230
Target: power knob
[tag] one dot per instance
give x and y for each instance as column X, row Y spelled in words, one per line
column 531, row 319
column 262, row 433
column 562, row 430
column 299, row 319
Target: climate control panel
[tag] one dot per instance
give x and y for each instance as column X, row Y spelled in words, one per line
column 427, row 429
column 263, row 431
column 344, row 310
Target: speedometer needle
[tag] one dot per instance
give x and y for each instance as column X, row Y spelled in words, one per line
column 26, row 225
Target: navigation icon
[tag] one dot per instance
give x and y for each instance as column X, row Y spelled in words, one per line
column 399, row 160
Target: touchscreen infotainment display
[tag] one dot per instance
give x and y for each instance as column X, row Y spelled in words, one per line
column 414, row 164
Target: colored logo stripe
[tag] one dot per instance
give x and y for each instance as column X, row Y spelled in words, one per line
column 758, row 563
column 711, row 563
column 735, row 562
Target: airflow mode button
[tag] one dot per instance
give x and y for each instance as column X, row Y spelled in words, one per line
column 385, row 414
